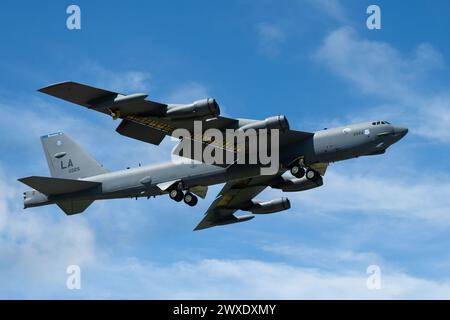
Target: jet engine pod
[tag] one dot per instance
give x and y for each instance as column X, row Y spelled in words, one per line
column 294, row 184
column 276, row 122
column 120, row 99
column 271, row 206
column 196, row 109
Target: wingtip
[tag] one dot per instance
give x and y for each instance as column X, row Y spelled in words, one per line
column 197, row 228
column 45, row 89
column 202, row 225
column 25, row 179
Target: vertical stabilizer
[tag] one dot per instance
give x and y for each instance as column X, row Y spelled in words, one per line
column 66, row 159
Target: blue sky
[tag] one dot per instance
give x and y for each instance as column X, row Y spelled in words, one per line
column 315, row 62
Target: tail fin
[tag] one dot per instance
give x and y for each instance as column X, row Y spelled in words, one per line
column 66, row 159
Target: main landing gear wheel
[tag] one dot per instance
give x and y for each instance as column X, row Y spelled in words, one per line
column 190, row 199
column 312, row 175
column 298, row 171
column 176, row 195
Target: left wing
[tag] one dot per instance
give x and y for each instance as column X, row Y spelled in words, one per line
column 142, row 119
column 235, row 195
column 151, row 121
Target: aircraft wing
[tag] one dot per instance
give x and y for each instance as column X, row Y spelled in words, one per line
column 235, row 195
column 151, row 121
column 142, row 119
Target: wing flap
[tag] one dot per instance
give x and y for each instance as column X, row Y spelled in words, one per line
column 140, row 132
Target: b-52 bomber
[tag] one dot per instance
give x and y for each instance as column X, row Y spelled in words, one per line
column 77, row 179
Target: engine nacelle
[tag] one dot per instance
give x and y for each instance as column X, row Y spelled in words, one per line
column 271, row 206
column 276, row 122
column 196, row 109
column 287, row 184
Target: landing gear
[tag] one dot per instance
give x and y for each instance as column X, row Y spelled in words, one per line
column 190, row 199
column 176, row 195
column 312, row 175
column 180, row 186
column 297, row 171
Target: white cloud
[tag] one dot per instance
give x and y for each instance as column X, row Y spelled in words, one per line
column 270, row 37
column 187, row 93
column 420, row 197
column 95, row 133
column 37, row 248
column 331, row 8
column 254, row 279
column 37, row 245
column 378, row 69
column 374, row 67
column 336, row 259
column 433, row 118
column 126, row 82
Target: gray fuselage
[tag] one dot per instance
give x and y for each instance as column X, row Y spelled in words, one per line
column 328, row 145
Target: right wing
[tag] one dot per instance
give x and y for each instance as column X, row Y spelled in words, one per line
column 235, row 195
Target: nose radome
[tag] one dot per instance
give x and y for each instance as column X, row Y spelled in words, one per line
column 401, row 131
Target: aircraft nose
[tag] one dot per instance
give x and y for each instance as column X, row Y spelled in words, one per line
column 400, row 132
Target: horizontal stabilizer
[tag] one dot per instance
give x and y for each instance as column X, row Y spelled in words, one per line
column 56, row 186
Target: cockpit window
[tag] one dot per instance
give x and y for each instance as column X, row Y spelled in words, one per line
column 376, row 123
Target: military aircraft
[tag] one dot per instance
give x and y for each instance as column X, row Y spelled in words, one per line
column 77, row 179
